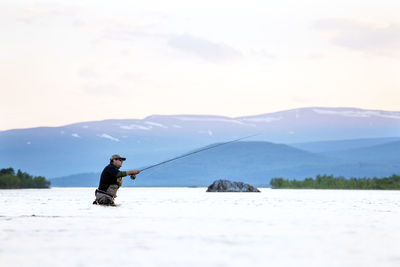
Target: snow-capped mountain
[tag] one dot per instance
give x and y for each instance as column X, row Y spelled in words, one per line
column 86, row 146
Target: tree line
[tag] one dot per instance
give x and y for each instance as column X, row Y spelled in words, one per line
column 331, row 182
column 11, row 180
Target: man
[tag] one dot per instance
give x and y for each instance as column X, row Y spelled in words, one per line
column 111, row 180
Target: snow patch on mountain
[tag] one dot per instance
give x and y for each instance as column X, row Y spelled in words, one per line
column 135, row 127
column 156, row 124
column 205, row 119
column 359, row 113
column 208, row 132
column 106, row 136
column 264, row 119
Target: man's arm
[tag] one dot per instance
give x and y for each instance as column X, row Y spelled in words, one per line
column 133, row 172
column 125, row 173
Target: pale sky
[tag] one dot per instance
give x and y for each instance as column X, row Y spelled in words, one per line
column 70, row 61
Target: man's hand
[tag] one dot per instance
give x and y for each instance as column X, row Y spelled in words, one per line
column 133, row 173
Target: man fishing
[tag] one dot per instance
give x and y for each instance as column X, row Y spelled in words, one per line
column 111, row 180
column 111, row 177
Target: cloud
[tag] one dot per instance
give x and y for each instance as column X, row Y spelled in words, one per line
column 41, row 11
column 98, row 88
column 261, row 53
column 315, row 55
column 360, row 35
column 203, row 48
column 87, row 73
column 186, row 43
column 127, row 32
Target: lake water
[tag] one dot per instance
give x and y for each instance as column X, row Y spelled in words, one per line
column 189, row 227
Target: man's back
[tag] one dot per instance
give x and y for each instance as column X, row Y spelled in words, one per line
column 108, row 177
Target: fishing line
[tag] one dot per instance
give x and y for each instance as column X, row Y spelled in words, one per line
column 197, row 151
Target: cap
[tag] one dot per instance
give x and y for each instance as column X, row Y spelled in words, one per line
column 116, row 156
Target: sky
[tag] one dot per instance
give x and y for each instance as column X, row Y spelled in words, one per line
column 70, row 61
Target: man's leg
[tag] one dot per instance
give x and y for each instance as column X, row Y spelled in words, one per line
column 103, row 199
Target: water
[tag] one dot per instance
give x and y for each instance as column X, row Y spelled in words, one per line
column 189, row 227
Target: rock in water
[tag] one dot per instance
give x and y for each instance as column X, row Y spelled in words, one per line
column 229, row 186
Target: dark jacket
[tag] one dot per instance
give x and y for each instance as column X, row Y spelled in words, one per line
column 108, row 177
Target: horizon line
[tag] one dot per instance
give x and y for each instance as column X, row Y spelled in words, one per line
column 188, row 114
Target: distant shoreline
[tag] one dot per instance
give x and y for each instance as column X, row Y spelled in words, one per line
column 21, row 180
column 331, row 182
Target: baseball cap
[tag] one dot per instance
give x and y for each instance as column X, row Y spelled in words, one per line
column 116, row 156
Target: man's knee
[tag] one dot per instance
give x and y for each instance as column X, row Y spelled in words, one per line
column 103, row 199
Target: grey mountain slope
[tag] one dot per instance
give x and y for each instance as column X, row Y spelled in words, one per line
column 241, row 160
column 251, row 162
column 83, row 147
column 342, row 145
column 387, row 152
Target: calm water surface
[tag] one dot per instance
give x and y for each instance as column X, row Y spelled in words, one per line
column 189, row 227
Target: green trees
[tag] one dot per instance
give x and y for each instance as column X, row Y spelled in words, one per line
column 331, row 182
column 9, row 180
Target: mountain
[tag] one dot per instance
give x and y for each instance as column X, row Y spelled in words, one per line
column 250, row 162
column 342, row 145
column 85, row 147
column 384, row 153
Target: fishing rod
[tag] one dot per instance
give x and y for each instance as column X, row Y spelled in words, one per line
column 197, row 151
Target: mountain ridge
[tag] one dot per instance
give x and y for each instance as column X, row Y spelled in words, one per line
column 346, row 111
column 254, row 162
column 82, row 147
